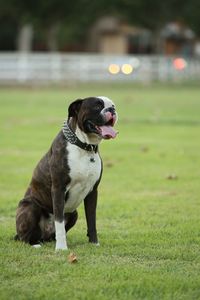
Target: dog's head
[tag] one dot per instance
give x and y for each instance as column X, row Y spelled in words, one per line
column 94, row 116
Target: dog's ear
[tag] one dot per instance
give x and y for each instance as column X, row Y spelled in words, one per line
column 74, row 108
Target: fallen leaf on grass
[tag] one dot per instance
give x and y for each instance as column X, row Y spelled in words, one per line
column 72, row 258
column 172, row 177
column 144, row 149
column 109, row 164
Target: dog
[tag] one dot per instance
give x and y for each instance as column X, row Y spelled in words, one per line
column 68, row 174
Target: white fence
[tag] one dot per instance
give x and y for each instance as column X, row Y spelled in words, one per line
column 40, row 68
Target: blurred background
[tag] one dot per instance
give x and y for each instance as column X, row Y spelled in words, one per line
column 145, row 55
column 106, row 40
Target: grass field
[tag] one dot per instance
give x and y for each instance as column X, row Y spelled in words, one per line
column 149, row 198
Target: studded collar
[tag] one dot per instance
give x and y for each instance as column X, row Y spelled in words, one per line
column 72, row 138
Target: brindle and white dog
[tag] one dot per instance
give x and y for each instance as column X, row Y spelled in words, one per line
column 67, row 174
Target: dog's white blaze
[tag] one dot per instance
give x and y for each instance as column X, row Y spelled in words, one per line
column 107, row 102
column 83, row 173
column 61, row 242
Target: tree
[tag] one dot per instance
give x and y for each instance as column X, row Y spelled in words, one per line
column 72, row 19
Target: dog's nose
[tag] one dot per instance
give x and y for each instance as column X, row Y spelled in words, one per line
column 111, row 110
column 108, row 115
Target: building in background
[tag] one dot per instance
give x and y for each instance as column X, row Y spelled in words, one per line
column 177, row 38
column 108, row 35
column 111, row 35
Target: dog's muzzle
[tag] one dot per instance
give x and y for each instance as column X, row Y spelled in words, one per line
column 109, row 117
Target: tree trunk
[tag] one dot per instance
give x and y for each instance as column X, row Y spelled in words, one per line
column 25, row 38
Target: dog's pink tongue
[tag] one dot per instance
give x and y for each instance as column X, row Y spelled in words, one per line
column 108, row 132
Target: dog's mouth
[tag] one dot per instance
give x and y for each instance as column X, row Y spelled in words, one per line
column 104, row 127
column 107, row 131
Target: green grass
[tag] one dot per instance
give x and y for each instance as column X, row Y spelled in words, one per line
column 149, row 226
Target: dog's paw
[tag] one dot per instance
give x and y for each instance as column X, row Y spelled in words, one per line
column 61, row 246
column 61, row 249
column 97, row 244
column 36, row 246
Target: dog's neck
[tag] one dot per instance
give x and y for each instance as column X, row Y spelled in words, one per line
column 85, row 138
column 91, row 138
column 76, row 136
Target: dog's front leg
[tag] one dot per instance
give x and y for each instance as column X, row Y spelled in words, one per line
column 58, row 208
column 90, row 204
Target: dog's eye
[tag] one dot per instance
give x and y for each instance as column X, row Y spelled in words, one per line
column 98, row 107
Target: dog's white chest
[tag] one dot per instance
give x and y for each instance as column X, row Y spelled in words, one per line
column 83, row 173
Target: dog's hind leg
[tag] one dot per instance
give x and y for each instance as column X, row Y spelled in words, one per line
column 70, row 220
column 27, row 222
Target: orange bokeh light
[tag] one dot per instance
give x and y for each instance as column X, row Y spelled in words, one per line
column 179, row 63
